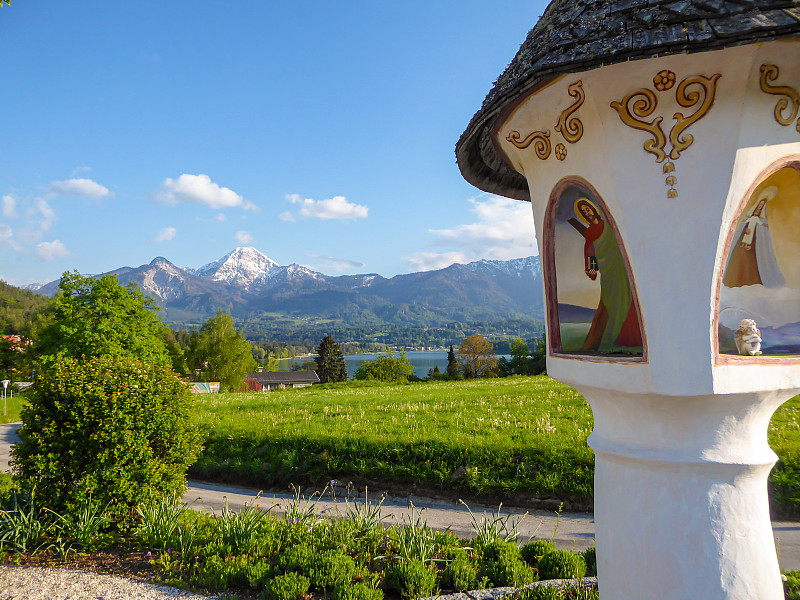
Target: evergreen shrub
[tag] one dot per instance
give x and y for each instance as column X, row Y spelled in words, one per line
column 507, row 571
column 356, row 591
column 460, row 574
column 561, row 564
column 411, row 579
column 533, row 551
column 330, row 569
column 289, row 586
column 115, row 431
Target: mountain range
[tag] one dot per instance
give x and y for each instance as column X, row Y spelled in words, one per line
column 253, row 286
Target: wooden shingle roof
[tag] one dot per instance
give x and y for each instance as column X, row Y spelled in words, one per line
column 578, row 35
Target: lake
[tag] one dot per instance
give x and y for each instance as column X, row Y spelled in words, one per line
column 422, row 361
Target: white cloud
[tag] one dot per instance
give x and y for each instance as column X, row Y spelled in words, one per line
column 337, row 208
column 220, row 217
column 428, row 261
column 287, row 216
column 47, row 213
column 10, row 207
column 199, row 189
column 165, row 235
column 51, row 250
column 337, row 264
column 243, row 237
column 503, row 230
column 80, row 188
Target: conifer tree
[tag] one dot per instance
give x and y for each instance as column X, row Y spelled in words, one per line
column 452, row 363
column 330, row 362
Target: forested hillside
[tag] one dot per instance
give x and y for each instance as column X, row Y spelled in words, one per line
column 20, row 310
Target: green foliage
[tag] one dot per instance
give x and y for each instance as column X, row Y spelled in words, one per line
column 495, row 528
column 289, row 586
column 476, row 359
column 791, row 585
column 93, row 317
column 21, row 311
column 83, row 526
column 590, row 558
column 523, row 361
column 561, row 564
column 501, row 550
column 532, row 552
column 507, row 571
column 297, row 559
column 221, row 353
column 112, row 429
column 158, row 521
column 386, row 368
column 357, row 591
column 330, row 361
column 452, row 363
column 330, row 569
column 460, row 574
column 22, row 525
column 411, row 579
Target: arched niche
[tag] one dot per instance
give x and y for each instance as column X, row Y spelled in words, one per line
column 759, row 284
column 592, row 307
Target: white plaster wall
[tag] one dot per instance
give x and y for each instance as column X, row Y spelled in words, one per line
column 674, row 245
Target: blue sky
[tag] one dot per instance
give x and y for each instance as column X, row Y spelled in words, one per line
column 321, row 133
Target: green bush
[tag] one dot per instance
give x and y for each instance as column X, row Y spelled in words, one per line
column 532, row 552
column 330, row 569
column 115, row 430
column 590, row 556
column 296, row 559
column 500, row 550
column 356, row 591
column 411, row 579
column 508, row 572
column 791, row 586
column 561, row 564
column 289, row 586
column 460, row 574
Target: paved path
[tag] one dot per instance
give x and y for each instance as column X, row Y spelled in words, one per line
column 570, row 530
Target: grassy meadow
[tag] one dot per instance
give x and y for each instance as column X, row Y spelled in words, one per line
column 477, row 438
column 503, row 439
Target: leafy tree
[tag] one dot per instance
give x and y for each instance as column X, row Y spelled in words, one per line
column 452, row 363
column 386, row 368
column 221, row 352
column 99, row 317
column 330, row 361
column 476, row 358
column 110, row 430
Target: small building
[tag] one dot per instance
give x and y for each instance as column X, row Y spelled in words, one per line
column 279, row 380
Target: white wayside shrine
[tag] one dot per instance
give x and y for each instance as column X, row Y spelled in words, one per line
column 660, row 151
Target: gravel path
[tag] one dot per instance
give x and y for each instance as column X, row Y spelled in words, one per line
column 37, row 583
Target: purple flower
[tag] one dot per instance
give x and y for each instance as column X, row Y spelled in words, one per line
column 148, row 555
column 169, row 550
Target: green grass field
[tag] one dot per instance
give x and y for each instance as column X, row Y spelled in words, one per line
column 520, row 434
column 517, row 438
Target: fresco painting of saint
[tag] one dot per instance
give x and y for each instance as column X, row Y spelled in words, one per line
column 752, row 260
column 615, row 322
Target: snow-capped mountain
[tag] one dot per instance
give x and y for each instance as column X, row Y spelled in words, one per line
column 243, row 266
column 517, row 267
column 249, row 269
column 247, row 282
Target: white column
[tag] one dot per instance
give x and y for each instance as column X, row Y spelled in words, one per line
column 681, row 504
